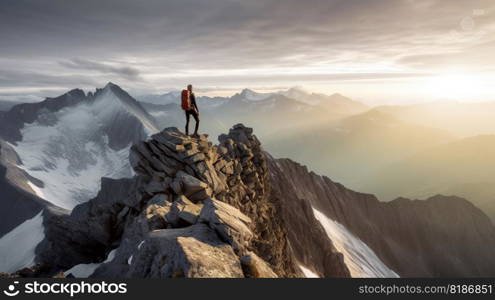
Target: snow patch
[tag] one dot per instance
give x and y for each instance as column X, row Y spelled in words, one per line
column 358, row 257
column 17, row 248
column 254, row 96
column 308, row 273
column 85, row 270
column 36, row 189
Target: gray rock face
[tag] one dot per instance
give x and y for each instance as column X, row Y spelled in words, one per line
column 307, row 237
column 87, row 233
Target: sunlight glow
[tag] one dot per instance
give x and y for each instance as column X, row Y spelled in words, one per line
column 456, row 86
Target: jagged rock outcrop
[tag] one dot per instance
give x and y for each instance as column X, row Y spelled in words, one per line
column 193, row 209
column 438, row 237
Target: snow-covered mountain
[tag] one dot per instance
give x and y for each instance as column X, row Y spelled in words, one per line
column 162, row 99
column 173, row 99
column 68, row 150
column 269, row 112
column 55, row 153
column 57, row 150
column 250, row 95
column 334, row 103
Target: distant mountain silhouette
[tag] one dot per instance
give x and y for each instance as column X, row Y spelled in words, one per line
column 463, row 167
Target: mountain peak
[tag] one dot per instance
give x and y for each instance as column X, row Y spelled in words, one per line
column 120, row 99
column 114, row 88
column 297, row 89
column 110, row 85
column 297, row 93
column 249, row 94
column 246, row 91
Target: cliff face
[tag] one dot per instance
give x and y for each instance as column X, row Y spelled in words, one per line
column 192, row 210
column 310, row 244
column 438, row 237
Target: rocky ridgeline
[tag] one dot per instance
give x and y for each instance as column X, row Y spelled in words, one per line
column 193, row 210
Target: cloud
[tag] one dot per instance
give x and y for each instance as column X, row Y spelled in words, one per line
column 84, row 64
column 19, row 78
column 153, row 43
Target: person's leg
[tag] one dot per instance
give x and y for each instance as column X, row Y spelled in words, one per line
column 187, row 122
column 196, row 118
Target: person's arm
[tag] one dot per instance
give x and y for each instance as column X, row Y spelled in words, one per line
column 193, row 101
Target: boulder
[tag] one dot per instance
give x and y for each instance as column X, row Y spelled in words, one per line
column 191, row 185
column 230, row 224
column 156, row 212
column 176, row 186
column 193, row 252
column 158, row 199
column 255, row 267
column 183, row 212
column 201, row 195
column 188, row 211
column 155, row 187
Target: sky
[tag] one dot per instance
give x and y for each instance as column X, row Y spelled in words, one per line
column 376, row 51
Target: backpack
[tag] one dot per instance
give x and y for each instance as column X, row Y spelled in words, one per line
column 186, row 100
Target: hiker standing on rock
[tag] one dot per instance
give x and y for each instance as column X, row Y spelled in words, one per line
column 190, row 107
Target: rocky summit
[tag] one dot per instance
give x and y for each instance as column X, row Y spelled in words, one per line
column 193, row 209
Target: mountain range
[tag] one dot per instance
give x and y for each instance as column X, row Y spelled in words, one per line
column 93, row 187
column 59, row 149
column 462, row 167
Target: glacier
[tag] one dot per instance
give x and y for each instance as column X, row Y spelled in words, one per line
column 69, row 150
column 69, row 166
